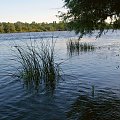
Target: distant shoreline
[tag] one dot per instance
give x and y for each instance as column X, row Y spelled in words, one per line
column 20, row 27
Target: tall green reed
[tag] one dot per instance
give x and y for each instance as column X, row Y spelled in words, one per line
column 38, row 65
column 76, row 46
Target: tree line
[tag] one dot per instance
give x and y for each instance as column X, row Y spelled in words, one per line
column 31, row 27
column 42, row 27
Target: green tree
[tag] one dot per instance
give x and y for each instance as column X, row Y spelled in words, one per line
column 9, row 27
column 61, row 26
column 1, row 28
column 116, row 24
column 18, row 26
column 85, row 16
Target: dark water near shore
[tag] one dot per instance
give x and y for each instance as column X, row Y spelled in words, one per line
column 90, row 89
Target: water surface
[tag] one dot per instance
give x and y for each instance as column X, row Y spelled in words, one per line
column 89, row 90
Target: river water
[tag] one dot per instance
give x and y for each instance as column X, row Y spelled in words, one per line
column 89, row 90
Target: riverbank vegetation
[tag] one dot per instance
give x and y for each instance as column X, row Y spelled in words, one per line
column 19, row 27
column 31, row 27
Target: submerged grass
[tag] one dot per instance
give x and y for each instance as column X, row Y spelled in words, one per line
column 38, row 65
column 76, row 46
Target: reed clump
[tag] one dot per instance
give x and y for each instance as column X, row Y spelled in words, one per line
column 76, row 46
column 37, row 65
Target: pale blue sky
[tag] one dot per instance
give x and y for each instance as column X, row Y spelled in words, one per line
column 30, row 10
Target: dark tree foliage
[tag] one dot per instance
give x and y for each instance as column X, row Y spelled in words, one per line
column 116, row 24
column 85, row 16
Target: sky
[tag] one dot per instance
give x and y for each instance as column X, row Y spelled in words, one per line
column 30, row 10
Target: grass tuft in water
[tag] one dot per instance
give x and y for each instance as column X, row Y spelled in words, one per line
column 38, row 65
column 76, row 46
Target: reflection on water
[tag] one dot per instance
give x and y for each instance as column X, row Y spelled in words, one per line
column 90, row 89
column 104, row 106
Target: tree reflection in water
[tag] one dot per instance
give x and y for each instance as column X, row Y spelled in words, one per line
column 104, row 106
